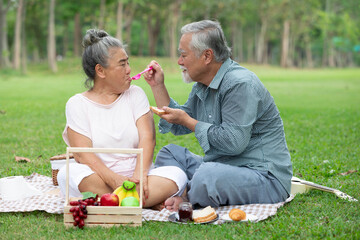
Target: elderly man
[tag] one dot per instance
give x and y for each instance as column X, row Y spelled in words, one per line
column 235, row 121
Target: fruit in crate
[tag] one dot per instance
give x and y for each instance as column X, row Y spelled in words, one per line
column 79, row 210
column 127, row 189
column 130, row 202
column 109, row 199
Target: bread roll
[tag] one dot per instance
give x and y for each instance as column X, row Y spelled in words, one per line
column 237, row 214
column 204, row 215
column 157, row 110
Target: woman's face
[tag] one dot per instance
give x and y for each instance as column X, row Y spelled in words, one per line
column 117, row 74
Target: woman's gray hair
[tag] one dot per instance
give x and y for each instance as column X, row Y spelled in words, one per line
column 208, row 34
column 96, row 44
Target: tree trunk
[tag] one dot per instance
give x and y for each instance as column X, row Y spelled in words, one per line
column 4, row 54
column 174, row 19
column 292, row 48
column 77, row 35
column 2, row 35
column 36, row 55
column 237, row 41
column 65, row 39
column 265, row 54
column 261, row 41
column 285, row 44
column 51, row 38
column 325, row 38
column 119, row 20
column 129, row 14
column 23, row 41
column 102, row 14
column 5, row 44
column 250, row 50
column 331, row 55
column 141, row 44
column 17, row 36
column 154, row 31
column 308, row 51
column 241, row 45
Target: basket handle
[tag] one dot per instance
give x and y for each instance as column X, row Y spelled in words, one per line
column 138, row 151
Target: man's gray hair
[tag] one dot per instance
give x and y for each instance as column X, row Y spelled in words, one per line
column 96, row 45
column 208, row 34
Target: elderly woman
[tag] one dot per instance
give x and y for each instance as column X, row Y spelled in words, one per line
column 112, row 113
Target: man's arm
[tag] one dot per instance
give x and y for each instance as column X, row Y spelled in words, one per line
column 155, row 78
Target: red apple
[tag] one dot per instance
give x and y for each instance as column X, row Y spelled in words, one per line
column 109, row 199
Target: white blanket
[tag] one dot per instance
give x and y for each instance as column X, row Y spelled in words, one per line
column 52, row 202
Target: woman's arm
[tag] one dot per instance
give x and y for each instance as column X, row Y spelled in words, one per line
column 147, row 141
column 110, row 178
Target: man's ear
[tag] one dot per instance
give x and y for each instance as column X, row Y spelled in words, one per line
column 208, row 56
column 100, row 71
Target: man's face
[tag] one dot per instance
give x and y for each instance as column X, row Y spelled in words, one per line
column 189, row 63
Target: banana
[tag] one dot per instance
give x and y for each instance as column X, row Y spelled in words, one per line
column 130, row 193
column 135, row 193
column 121, row 193
column 116, row 191
column 128, row 189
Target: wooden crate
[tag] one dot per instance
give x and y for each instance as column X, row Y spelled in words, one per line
column 106, row 216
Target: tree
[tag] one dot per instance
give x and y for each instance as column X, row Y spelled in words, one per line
column 17, row 36
column 119, row 19
column 102, row 14
column 267, row 11
column 285, row 39
column 173, row 26
column 51, row 38
column 4, row 58
column 23, row 41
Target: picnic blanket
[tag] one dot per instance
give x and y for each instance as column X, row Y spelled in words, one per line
column 51, row 201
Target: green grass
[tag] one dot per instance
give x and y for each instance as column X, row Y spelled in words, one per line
column 321, row 114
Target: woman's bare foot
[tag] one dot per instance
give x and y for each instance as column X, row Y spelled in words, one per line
column 172, row 203
column 158, row 207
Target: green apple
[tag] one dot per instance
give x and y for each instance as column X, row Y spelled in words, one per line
column 130, row 202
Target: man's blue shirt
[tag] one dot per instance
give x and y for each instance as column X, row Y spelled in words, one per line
column 239, row 123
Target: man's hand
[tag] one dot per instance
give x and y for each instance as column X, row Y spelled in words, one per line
column 154, row 77
column 180, row 117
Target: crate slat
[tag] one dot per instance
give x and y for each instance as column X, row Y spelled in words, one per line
column 107, row 225
column 105, row 218
column 108, row 210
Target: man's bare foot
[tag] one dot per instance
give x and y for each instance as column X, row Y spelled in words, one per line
column 172, row 203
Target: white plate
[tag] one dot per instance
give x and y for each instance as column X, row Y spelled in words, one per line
column 249, row 217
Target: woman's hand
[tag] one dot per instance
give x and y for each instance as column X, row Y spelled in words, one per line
column 121, row 179
column 145, row 187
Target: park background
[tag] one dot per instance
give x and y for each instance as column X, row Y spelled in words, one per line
column 289, row 33
column 305, row 52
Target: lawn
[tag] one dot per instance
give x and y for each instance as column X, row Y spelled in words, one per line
column 321, row 114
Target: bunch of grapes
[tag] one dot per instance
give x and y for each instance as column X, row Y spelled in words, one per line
column 79, row 210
